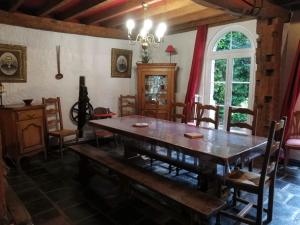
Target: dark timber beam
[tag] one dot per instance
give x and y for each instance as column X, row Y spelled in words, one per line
column 82, row 8
column 15, row 5
column 263, row 8
column 42, row 23
column 52, row 6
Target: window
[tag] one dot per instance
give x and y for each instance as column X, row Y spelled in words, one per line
column 230, row 73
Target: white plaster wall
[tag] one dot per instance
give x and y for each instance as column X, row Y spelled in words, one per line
column 80, row 55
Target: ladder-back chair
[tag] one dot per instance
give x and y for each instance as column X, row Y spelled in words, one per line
column 54, row 122
column 100, row 133
column 293, row 140
column 204, row 111
column 248, row 112
column 178, row 112
column 255, row 183
column 127, row 105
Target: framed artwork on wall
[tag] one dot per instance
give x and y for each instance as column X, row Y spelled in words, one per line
column 13, row 63
column 121, row 60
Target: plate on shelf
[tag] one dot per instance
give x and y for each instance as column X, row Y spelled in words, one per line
column 141, row 125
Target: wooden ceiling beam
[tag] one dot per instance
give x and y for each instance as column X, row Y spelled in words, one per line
column 117, row 11
column 51, row 6
column 166, row 8
column 43, row 23
column 15, row 4
column 213, row 21
column 264, row 9
column 82, row 8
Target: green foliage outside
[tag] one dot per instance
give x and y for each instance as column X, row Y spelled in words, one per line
column 241, row 73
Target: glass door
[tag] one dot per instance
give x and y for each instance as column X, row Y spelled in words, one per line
column 156, row 90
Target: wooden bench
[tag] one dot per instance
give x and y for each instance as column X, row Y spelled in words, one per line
column 199, row 204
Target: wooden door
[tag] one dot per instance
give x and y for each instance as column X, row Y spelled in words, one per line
column 30, row 135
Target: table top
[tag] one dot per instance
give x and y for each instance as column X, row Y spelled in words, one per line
column 218, row 145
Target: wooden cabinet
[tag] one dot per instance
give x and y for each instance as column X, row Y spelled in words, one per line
column 156, row 83
column 22, row 130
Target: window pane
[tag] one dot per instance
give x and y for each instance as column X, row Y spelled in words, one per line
column 232, row 40
column 239, row 117
column 221, row 115
column 240, row 40
column 240, row 95
column 241, row 69
column 224, row 43
column 219, row 69
column 219, row 93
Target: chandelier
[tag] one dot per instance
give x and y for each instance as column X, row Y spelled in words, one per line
column 145, row 37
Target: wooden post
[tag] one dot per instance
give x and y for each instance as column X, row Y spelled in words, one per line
column 268, row 58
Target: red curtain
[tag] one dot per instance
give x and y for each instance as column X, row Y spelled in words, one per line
column 197, row 64
column 292, row 91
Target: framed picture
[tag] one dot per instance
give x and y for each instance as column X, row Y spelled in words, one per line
column 13, row 63
column 121, row 62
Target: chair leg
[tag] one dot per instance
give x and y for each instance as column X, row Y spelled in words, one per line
column 259, row 212
column 169, row 155
column 270, row 201
column 61, row 141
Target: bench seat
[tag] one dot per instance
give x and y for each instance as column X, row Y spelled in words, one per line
column 202, row 204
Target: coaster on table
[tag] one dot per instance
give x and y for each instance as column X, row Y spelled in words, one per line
column 193, row 135
column 141, row 125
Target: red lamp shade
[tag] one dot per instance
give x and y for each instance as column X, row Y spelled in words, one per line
column 170, row 49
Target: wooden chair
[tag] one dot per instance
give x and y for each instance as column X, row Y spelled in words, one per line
column 293, row 140
column 102, row 134
column 127, row 105
column 178, row 111
column 251, row 127
column 204, row 115
column 255, row 183
column 54, row 122
column 152, row 111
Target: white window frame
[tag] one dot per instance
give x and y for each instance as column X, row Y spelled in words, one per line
column 229, row 55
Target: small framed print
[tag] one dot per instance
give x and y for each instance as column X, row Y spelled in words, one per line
column 121, row 60
column 13, row 63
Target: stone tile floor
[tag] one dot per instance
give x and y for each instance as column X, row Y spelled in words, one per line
column 52, row 195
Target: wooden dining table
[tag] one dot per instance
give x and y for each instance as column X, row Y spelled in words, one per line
column 215, row 146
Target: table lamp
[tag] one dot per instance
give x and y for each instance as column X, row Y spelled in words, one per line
column 171, row 50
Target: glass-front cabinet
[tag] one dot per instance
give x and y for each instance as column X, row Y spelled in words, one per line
column 156, row 87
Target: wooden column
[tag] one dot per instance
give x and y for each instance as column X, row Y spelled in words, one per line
column 268, row 58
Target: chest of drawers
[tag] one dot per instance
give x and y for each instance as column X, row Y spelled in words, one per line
column 22, row 130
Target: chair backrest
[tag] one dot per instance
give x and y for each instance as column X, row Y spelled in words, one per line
column 271, row 156
column 53, row 114
column 101, row 110
column 193, row 112
column 127, row 105
column 152, row 111
column 178, row 112
column 295, row 126
column 204, row 111
column 240, row 124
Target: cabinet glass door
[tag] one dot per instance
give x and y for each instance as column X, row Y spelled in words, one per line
column 156, row 89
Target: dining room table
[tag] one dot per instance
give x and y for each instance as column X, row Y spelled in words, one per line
column 209, row 146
